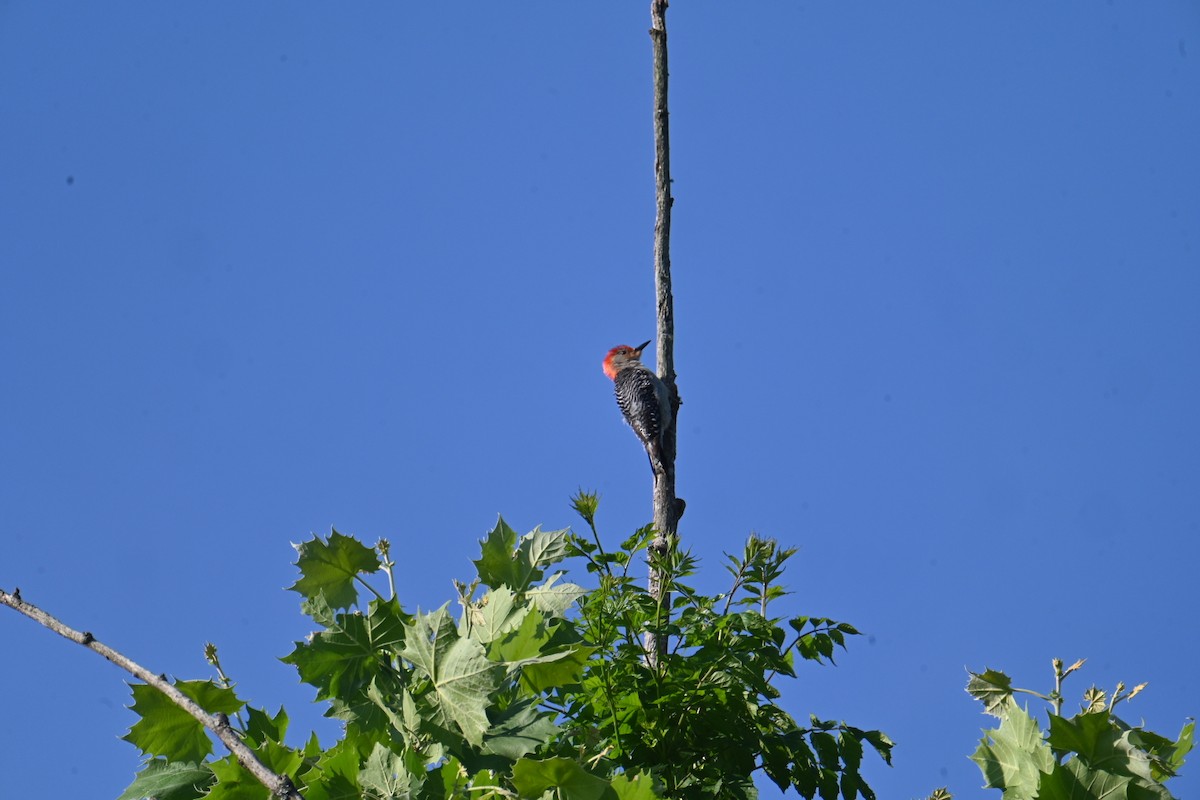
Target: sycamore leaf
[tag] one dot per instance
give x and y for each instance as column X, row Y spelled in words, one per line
column 462, row 677
column 533, row 778
column 545, row 548
column 386, row 776
column 408, row 720
column 280, row 758
column 561, row 668
column 260, row 726
column 169, row 781
column 167, row 730
column 1094, row 699
column 639, row 787
column 1166, row 755
column 329, row 568
column 351, row 651
column 497, row 559
column 1075, row 781
column 335, row 776
column 1100, row 744
column 1183, row 746
column 321, row 786
column 524, row 642
column 524, row 650
column 519, row 730
column 1013, row 756
column 486, row 785
column 448, row 780
column 554, row 599
column 495, row 615
column 234, row 782
column 505, row 562
column 992, row 688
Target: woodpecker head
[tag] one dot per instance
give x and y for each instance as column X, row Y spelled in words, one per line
column 621, row 355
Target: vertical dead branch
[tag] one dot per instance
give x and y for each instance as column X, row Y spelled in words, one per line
column 667, row 508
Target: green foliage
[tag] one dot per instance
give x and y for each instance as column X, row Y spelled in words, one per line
column 703, row 719
column 537, row 688
column 167, row 730
column 1093, row 754
column 177, row 780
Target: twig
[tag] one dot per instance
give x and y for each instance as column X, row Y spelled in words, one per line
column 279, row 785
column 667, row 508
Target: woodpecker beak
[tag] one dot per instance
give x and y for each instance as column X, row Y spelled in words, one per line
column 642, row 346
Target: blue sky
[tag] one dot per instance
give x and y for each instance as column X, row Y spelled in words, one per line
column 272, row 268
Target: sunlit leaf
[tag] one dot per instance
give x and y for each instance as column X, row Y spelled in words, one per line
column 329, row 568
column 1100, row 744
column 177, row 780
column 1013, row 756
column 572, row 782
column 1074, row 780
column 165, row 729
column 462, row 676
column 992, row 688
column 386, row 776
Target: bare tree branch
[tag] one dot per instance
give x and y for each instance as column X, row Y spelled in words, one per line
column 667, row 508
column 279, row 785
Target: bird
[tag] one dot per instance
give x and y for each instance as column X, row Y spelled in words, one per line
column 643, row 398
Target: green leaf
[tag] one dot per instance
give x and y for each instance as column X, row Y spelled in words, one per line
column 639, row 540
column 639, row 787
column 449, row 780
column 533, row 778
column 495, row 615
column 234, row 782
column 544, row 548
column 504, row 562
column 319, row 786
column 519, row 730
column 1174, row 758
column 851, row 749
column 386, row 776
column 826, row 748
column 497, row 559
column 335, row 775
column 344, row 658
column 329, row 568
column 1013, row 756
column 561, row 668
column 541, row 664
column 280, row 758
column 1100, row 744
column 525, row 642
column 992, row 688
column 1075, row 781
column 462, row 677
column 555, row 600
column 169, row 781
column 877, row 739
column 261, row 727
column 167, row 730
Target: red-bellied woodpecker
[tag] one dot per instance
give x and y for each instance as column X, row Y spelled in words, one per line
column 643, row 398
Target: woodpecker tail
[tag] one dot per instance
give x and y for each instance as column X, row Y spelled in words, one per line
column 654, row 452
